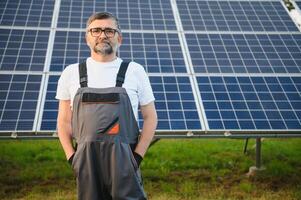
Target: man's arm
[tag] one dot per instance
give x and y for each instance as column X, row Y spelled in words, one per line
column 149, row 126
column 64, row 127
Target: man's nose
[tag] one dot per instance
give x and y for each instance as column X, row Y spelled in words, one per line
column 102, row 35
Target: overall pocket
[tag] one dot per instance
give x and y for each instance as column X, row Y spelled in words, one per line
column 101, row 112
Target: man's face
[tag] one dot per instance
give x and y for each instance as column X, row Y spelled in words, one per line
column 101, row 43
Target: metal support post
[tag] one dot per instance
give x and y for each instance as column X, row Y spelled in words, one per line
column 246, row 145
column 258, row 153
column 257, row 167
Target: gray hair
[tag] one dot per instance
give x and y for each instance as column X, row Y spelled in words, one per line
column 103, row 15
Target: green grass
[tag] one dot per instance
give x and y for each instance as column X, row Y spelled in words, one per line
column 172, row 170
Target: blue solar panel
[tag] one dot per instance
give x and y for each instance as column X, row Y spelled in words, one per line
column 243, row 56
column 259, row 103
column 23, row 50
column 18, row 101
column 175, row 103
column 234, row 16
column 30, row 13
column 158, row 52
column 245, row 53
column 69, row 47
column 49, row 113
column 133, row 14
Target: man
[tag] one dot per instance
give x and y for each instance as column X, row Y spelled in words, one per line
column 98, row 107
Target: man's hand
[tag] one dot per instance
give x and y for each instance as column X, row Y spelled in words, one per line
column 64, row 127
column 148, row 130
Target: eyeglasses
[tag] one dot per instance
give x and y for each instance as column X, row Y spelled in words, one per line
column 109, row 32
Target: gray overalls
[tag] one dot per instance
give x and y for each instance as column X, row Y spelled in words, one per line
column 105, row 129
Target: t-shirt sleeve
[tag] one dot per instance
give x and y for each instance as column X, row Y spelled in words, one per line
column 145, row 92
column 62, row 92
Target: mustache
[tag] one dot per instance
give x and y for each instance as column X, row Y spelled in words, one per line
column 103, row 41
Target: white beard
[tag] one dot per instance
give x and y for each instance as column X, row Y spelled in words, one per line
column 103, row 48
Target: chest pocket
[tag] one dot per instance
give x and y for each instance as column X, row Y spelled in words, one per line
column 101, row 112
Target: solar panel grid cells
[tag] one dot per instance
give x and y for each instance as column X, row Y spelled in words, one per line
column 245, row 53
column 175, row 103
column 133, row 15
column 18, row 100
column 157, row 52
column 69, row 47
column 50, row 111
column 34, row 13
column 251, row 103
column 23, row 50
column 234, row 16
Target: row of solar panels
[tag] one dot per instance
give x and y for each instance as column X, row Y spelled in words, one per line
column 153, row 15
column 227, row 102
column 204, row 75
column 26, row 50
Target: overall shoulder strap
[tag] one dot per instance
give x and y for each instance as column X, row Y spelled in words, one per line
column 121, row 73
column 83, row 77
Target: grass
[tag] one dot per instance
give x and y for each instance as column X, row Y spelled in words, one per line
column 172, row 170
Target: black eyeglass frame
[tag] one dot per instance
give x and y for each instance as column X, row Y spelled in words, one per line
column 100, row 30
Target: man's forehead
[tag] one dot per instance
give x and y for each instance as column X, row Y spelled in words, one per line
column 103, row 23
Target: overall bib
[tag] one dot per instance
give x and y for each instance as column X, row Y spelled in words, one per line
column 105, row 129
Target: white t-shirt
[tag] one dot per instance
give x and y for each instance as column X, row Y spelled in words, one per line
column 102, row 75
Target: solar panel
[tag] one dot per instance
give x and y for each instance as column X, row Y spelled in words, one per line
column 234, row 16
column 251, row 103
column 158, row 52
column 36, row 13
column 69, row 47
column 49, row 113
column 23, row 50
column 245, row 53
column 18, row 101
column 213, row 65
column 175, row 103
column 133, row 14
